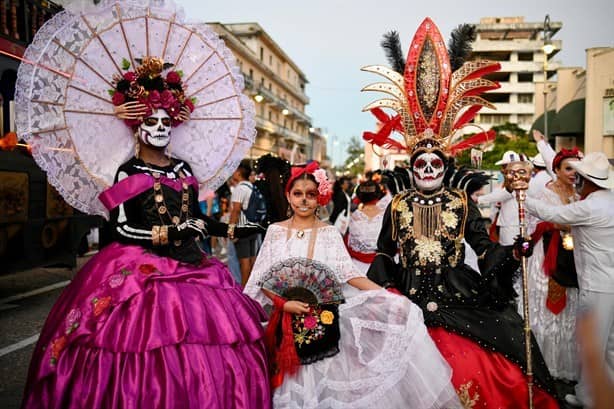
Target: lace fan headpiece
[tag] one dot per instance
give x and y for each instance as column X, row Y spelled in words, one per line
column 433, row 100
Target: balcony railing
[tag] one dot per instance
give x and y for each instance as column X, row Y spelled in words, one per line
column 20, row 20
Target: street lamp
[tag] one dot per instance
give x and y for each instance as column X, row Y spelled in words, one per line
column 547, row 48
column 259, row 98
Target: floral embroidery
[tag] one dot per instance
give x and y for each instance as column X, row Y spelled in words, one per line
column 449, row 219
column 327, row 317
column 147, row 269
column 116, row 280
column 428, row 250
column 72, row 320
column 57, row 346
column 101, row 304
column 465, row 397
column 308, row 328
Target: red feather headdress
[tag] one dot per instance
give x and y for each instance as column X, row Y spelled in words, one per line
column 432, row 102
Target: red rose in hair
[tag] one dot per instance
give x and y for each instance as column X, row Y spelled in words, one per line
column 130, row 76
column 188, row 103
column 118, row 98
column 173, row 77
column 174, row 109
column 154, row 99
column 167, row 99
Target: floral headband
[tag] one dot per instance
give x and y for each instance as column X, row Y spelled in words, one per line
column 565, row 154
column 325, row 190
column 136, row 94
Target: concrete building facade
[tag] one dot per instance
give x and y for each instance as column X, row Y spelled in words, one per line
column 277, row 86
column 582, row 101
column 518, row 46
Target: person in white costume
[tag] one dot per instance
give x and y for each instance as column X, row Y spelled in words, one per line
column 552, row 299
column 365, row 225
column 592, row 226
column 385, row 356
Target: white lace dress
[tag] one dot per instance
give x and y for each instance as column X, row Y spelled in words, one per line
column 555, row 334
column 386, row 360
column 363, row 234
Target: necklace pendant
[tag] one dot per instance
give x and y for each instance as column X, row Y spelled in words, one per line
column 162, row 209
column 300, row 234
column 176, row 220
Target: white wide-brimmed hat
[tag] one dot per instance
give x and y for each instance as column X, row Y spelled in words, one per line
column 596, row 168
column 538, row 160
column 511, row 156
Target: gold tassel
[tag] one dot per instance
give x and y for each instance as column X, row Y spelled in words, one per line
column 427, row 220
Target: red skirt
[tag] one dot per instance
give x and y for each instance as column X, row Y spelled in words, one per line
column 486, row 379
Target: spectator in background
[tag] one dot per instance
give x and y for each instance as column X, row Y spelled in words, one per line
column 247, row 248
column 341, row 205
column 592, row 226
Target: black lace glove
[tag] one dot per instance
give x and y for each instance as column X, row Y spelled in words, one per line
column 523, row 247
column 246, row 231
column 189, row 229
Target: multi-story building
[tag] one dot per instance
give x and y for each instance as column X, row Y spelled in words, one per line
column 581, row 104
column 277, row 86
column 518, row 46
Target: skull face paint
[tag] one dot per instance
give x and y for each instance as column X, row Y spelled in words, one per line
column 156, row 129
column 428, row 170
column 518, row 175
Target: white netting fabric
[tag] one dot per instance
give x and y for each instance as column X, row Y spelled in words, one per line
column 64, row 111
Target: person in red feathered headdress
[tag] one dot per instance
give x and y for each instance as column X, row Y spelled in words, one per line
column 335, row 338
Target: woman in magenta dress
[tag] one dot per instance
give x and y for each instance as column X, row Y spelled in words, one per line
column 150, row 321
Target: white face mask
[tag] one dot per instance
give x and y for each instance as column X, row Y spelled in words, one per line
column 428, row 170
column 156, row 129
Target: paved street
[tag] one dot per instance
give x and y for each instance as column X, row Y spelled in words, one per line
column 25, row 300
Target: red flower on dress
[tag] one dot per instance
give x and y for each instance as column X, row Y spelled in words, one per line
column 57, row 346
column 101, row 304
column 147, row 269
column 118, row 98
column 173, row 77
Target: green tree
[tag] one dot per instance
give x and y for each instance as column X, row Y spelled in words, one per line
column 510, row 137
column 354, row 162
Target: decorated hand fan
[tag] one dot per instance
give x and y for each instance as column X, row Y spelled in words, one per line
column 305, row 280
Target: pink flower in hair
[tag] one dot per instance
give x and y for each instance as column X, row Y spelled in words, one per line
column 324, row 186
column 154, row 99
column 130, row 76
column 118, row 98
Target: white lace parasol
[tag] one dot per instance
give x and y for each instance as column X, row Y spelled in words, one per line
column 64, row 110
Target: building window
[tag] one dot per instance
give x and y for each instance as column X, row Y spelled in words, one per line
column 271, row 60
column 261, row 54
column 525, row 77
column 525, row 98
column 251, row 73
column 525, row 56
column 494, row 119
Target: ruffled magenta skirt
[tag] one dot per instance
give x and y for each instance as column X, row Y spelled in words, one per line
column 135, row 330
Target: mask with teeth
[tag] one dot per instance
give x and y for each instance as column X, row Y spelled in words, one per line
column 428, row 170
column 156, row 129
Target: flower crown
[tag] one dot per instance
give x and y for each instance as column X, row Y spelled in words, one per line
column 146, row 85
column 325, row 188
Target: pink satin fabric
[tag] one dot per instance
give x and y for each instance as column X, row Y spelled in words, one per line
column 134, row 330
column 135, row 185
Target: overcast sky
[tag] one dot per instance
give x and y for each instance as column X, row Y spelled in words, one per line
column 331, row 39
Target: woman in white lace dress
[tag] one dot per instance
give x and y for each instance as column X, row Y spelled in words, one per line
column 365, row 225
column 385, row 357
column 553, row 306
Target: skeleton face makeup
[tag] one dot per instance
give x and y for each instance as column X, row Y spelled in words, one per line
column 428, row 170
column 518, row 175
column 156, row 129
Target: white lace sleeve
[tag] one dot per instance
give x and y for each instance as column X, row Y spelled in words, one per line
column 336, row 254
